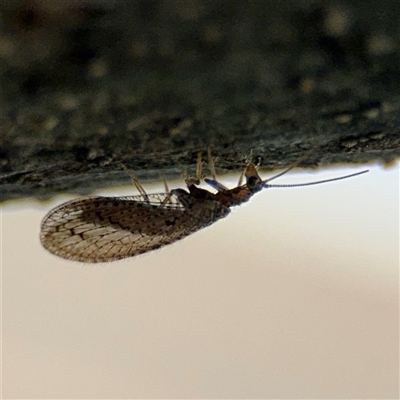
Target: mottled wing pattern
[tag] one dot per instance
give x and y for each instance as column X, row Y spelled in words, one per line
column 102, row 229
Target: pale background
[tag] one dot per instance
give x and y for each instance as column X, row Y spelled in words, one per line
column 294, row 295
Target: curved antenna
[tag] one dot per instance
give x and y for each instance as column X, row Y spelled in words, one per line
column 266, row 185
column 295, row 164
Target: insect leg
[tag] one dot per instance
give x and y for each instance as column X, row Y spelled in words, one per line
column 196, row 181
column 199, row 168
column 135, row 181
column 243, row 174
column 167, row 192
column 211, row 164
column 213, row 182
column 215, row 185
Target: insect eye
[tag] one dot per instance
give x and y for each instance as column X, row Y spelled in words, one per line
column 252, row 182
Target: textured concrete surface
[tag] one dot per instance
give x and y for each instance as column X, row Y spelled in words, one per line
column 86, row 84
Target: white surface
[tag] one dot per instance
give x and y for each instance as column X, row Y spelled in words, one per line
column 294, row 295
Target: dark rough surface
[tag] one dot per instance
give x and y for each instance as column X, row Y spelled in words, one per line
column 150, row 83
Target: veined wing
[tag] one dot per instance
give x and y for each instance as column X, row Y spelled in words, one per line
column 102, row 229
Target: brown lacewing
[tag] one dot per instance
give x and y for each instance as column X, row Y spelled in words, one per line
column 102, row 229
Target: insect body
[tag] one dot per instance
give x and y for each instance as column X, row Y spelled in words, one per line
column 102, row 229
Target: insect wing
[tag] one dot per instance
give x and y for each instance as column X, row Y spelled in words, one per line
column 102, row 229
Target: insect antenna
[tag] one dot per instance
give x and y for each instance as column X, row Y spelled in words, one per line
column 267, row 185
column 294, row 165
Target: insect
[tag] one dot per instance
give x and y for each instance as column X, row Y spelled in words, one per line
column 103, row 229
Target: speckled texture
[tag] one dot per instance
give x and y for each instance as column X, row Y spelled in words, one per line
column 87, row 84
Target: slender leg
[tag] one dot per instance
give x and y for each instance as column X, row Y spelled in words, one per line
column 135, row 181
column 199, row 167
column 166, row 191
column 166, row 188
column 211, row 164
column 196, row 181
column 240, row 182
column 213, row 182
column 243, row 174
